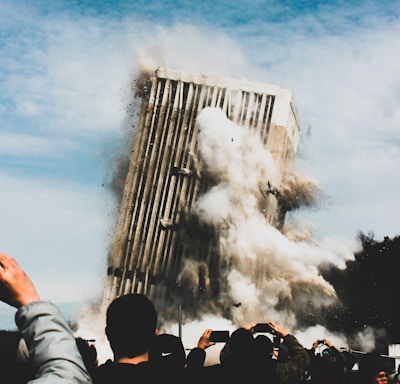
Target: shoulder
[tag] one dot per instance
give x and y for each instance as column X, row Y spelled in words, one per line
column 111, row 372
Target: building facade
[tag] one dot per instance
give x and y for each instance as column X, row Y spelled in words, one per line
column 155, row 227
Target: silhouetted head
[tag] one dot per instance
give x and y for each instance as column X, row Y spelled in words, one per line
column 328, row 366
column 264, row 346
column 370, row 365
column 131, row 324
column 242, row 344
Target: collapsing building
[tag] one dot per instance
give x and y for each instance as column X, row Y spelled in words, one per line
column 157, row 229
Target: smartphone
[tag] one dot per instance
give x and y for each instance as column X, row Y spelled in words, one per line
column 262, row 328
column 219, row 336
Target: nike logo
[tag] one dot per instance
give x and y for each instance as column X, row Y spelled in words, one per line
column 166, row 353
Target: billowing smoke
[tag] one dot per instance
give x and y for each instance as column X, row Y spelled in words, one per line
column 298, row 191
column 263, row 273
column 267, row 275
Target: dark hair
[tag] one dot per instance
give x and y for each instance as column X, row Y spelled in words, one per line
column 264, row 345
column 371, row 364
column 131, row 324
column 241, row 343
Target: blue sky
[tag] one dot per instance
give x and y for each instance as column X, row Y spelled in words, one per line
column 65, row 70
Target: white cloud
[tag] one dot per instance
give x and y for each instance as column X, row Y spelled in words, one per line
column 65, row 86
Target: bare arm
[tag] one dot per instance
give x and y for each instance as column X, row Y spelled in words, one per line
column 16, row 288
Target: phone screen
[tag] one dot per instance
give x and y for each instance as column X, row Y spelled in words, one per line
column 262, row 327
column 219, row 336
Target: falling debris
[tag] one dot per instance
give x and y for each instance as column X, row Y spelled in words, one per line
column 216, row 156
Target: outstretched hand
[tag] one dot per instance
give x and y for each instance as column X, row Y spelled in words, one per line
column 16, row 288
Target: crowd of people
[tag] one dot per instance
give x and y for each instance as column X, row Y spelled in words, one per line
column 44, row 349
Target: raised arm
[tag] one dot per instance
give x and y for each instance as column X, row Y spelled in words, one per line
column 53, row 352
column 292, row 369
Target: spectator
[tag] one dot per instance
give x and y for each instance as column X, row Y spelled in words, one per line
column 197, row 356
column 242, row 348
column 131, row 325
column 53, row 353
column 265, row 352
column 238, row 360
column 327, row 364
column 292, row 357
column 167, row 359
column 373, row 369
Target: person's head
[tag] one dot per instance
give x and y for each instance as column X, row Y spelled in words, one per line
column 167, row 352
column 242, row 344
column 327, row 366
column 373, row 368
column 131, row 324
column 264, row 346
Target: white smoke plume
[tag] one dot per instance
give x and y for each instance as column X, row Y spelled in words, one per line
column 272, row 277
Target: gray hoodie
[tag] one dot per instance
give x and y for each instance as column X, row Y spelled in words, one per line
column 53, row 352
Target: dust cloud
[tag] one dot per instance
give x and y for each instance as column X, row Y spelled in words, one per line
column 266, row 274
column 271, row 276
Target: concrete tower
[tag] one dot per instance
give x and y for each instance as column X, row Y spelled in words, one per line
column 156, row 229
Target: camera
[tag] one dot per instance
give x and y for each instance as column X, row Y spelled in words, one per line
column 219, row 336
column 262, row 328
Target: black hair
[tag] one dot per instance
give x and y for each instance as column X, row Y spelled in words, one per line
column 131, row 324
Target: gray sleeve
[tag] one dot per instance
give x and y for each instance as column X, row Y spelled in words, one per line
column 52, row 347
